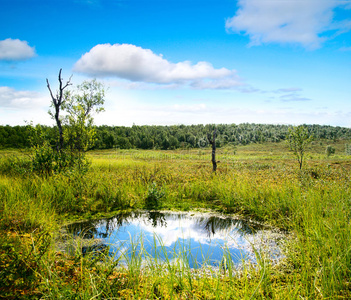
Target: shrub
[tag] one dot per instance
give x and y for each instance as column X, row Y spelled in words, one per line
column 329, row 150
column 154, row 196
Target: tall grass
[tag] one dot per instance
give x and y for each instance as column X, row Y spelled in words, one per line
column 312, row 205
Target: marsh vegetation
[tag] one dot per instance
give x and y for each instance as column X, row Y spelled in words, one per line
column 261, row 182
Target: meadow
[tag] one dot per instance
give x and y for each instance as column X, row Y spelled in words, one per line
column 261, row 182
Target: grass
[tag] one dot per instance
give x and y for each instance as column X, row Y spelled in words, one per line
column 260, row 182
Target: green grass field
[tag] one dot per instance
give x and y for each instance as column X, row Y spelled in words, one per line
column 258, row 181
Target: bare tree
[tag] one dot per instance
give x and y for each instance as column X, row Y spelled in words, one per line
column 212, row 141
column 57, row 102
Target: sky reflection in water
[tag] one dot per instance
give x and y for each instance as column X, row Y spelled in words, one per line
column 201, row 238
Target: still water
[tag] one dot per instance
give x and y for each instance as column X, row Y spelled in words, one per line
column 193, row 238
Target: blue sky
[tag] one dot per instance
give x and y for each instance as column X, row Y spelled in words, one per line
column 169, row 62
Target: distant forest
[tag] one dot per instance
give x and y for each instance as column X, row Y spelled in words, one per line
column 172, row 137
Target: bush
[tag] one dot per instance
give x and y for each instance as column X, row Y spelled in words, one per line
column 329, row 150
column 154, row 196
column 44, row 159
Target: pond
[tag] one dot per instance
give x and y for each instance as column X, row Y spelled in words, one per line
column 194, row 239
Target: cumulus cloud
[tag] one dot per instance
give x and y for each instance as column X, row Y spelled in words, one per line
column 13, row 99
column 286, row 21
column 134, row 63
column 133, row 85
column 11, row 50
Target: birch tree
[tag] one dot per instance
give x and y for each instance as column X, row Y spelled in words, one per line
column 298, row 139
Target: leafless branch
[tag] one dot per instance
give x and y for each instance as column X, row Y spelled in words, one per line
column 52, row 96
column 57, row 104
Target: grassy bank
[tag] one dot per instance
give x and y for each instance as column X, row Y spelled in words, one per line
column 261, row 182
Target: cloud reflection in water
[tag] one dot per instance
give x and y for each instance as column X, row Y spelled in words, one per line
column 200, row 238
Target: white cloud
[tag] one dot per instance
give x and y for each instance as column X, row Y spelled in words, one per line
column 132, row 85
column 287, row 21
column 11, row 49
column 197, row 108
column 291, row 94
column 293, row 97
column 17, row 107
column 288, row 90
column 20, row 100
column 222, row 83
column 134, row 63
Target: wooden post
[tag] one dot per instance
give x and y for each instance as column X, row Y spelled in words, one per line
column 212, row 141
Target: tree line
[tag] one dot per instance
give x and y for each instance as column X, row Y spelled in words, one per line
column 171, row 137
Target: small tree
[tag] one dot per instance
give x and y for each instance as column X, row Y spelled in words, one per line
column 76, row 131
column 298, row 139
column 88, row 99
